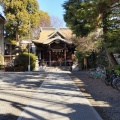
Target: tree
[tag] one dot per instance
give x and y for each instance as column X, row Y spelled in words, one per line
column 92, row 42
column 44, row 21
column 113, row 29
column 108, row 14
column 22, row 61
column 18, row 14
column 56, row 22
column 85, row 16
column 78, row 16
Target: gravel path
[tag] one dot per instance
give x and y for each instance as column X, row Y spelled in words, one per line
column 16, row 90
column 105, row 99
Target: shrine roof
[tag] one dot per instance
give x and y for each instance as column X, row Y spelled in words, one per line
column 47, row 35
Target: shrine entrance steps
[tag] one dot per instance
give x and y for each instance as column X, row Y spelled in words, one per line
column 57, row 68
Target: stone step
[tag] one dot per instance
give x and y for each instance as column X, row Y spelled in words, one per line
column 58, row 68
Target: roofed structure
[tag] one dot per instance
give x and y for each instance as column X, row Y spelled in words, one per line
column 55, row 46
column 48, row 35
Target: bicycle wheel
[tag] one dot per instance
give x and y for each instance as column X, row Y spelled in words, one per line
column 118, row 85
column 113, row 82
column 89, row 74
column 107, row 81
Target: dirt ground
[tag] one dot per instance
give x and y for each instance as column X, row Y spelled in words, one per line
column 105, row 99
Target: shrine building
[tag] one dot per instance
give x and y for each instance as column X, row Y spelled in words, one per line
column 55, row 47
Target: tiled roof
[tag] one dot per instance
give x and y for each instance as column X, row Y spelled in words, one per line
column 47, row 35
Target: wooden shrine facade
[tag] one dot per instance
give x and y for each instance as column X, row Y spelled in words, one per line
column 55, row 47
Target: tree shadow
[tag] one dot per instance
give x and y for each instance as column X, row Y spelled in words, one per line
column 8, row 117
column 67, row 91
column 97, row 91
column 23, row 80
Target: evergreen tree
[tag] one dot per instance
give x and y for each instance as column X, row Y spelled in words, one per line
column 85, row 16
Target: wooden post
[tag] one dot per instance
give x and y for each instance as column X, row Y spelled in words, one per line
column 65, row 56
column 50, row 58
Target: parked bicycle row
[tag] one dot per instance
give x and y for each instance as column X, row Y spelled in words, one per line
column 109, row 77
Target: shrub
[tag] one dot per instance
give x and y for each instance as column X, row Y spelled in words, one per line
column 23, row 60
column 116, row 68
column 9, row 68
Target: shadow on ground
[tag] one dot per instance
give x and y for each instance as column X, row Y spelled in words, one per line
column 104, row 98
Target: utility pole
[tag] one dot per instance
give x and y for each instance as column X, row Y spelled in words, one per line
column 29, row 49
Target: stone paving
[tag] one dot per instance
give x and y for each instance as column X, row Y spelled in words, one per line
column 22, row 97
column 59, row 99
column 16, row 90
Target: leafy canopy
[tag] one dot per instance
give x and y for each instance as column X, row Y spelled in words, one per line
column 81, row 16
column 19, row 13
column 85, row 16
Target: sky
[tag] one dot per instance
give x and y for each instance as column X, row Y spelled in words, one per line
column 1, row 11
column 53, row 7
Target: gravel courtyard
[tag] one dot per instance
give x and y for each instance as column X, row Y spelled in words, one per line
column 16, row 89
column 105, row 99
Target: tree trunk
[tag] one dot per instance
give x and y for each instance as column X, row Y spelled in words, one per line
column 111, row 59
column 17, row 38
column 110, row 55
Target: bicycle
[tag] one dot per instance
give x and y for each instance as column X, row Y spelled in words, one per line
column 114, row 81
column 118, row 84
column 110, row 77
column 93, row 73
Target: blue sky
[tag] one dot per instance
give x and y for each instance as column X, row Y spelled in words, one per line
column 1, row 11
column 53, row 7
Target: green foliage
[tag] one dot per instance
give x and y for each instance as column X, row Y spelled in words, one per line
column 23, row 60
column 79, row 56
column 113, row 40
column 85, row 16
column 116, row 68
column 117, row 71
column 113, row 29
column 101, row 58
column 18, row 13
column 81, row 17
